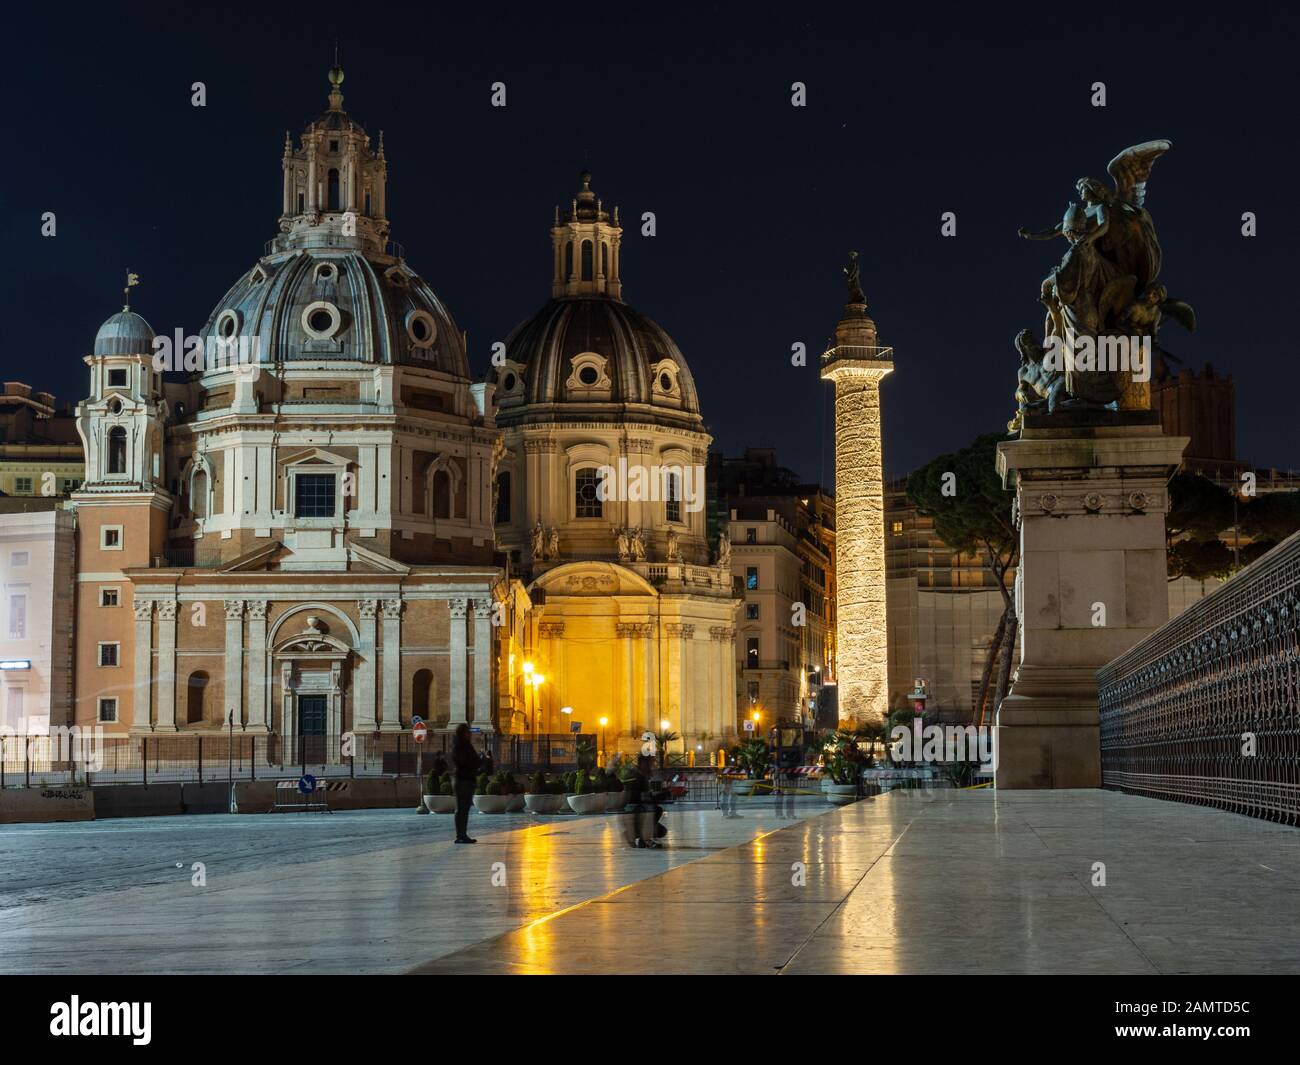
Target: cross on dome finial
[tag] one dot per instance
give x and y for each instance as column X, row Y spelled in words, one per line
column 336, row 80
column 131, row 281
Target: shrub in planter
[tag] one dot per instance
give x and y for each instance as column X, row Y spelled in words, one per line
column 494, row 788
column 586, row 799
column 481, row 785
column 537, row 784
column 582, row 783
column 432, row 783
column 448, row 786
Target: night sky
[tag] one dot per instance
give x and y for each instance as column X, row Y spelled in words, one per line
column 683, row 112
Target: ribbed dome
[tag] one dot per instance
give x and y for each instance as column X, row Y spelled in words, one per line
column 126, row 333
column 597, row 354
column 322, row 303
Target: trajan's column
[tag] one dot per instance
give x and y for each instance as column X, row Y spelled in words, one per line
column 856, row 365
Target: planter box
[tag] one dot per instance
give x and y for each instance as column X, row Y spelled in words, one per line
column 440, row 804
column 493, row 804
column 545, row 804
column 587, row 804
column 516, row 804
column 839, row 794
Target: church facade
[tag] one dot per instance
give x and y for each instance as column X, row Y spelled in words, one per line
column 297, row 538
column 311, row 519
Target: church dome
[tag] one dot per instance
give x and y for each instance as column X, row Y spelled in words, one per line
column 597, row 354
column 324, row 303
column 586, row 354
column 331, row 286
column 126, row 333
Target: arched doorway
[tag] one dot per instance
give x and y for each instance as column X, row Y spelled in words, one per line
column 421, row 693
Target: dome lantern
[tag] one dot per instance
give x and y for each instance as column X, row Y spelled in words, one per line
column 585, row 244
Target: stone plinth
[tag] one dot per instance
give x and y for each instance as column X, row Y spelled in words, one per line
column 1091, row 495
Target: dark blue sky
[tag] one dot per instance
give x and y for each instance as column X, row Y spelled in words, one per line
column 685, row 112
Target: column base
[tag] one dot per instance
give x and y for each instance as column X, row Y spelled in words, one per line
column 1049, row 731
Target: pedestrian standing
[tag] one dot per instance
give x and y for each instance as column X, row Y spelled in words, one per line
column 468, row 764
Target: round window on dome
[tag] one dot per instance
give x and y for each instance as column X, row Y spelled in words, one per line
column 321, row 320
column 114, row 406
column 666, row 382
column 227, row 324
column 327, row 272
column 509, row 383
column 589, row 375
column 421, row 328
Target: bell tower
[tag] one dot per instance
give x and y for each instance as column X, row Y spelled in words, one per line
column 585, row 244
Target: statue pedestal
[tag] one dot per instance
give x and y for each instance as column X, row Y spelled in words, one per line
column 1091, row 495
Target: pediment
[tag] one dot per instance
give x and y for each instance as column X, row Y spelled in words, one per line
column 592, row 579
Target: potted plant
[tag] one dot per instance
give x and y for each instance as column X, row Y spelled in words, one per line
column 613, row 793
column 540, row 796
column 488, row 796
column 843, row 761
column 751, row 757
column 586, row 800
column 439, row 796
column 512, row 789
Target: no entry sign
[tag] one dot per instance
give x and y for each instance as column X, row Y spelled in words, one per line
column 420, row 731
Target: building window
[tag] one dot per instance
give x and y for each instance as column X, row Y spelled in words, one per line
column 586, row 260
column 751, row 652
column 752, row 688
column 751, row 536
column 108, row 597
column 442, row 494
column 313, row 495
column 751, row 611
column 68, row 484
column 117, row 450
column 108, row 654
column 195, row 695
column 116, row 378
column 673, row 497
column 896, row 528
column 586, row 493
column 503, row 498
column 333, row 190
column 22, row 486
column 107, row 710
column 17, row 616
column 19, row 558
column 110, row 537
column 751, row 578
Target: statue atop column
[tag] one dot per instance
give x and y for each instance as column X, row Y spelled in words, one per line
column 853, row 279
column 1104, row 305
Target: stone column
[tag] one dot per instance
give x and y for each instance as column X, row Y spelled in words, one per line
column 457, row 608
column 143, row 685
column 483, row 715
column 390, row 719
column 257, row 656
column 363, row 677
column 1091, row 495
column 166, row 677
column 234, row 687
column 856, row 365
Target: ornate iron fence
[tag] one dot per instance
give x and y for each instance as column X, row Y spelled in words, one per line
column 1205, row 709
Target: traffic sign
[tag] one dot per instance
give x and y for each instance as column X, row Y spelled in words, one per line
column 306, row 783
column 420, row 732
column 416, row 719
column 749, row 726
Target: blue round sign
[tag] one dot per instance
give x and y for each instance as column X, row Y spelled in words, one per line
column 307, row 784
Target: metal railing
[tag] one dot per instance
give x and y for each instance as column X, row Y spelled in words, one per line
column 42, row 761
column 1207, row 708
